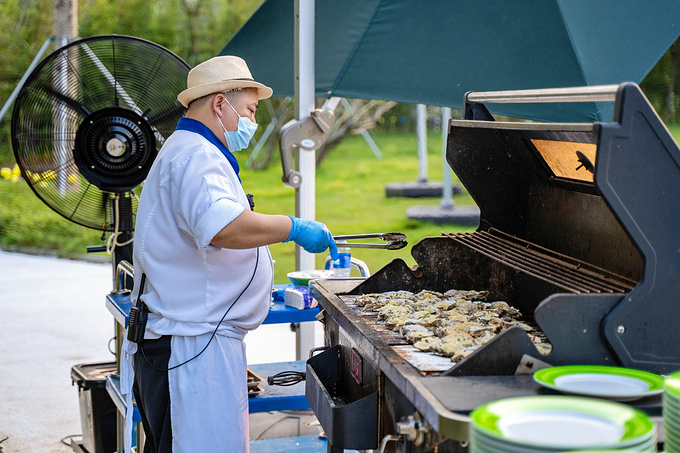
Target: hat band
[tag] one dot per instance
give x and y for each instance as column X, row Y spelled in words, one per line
column 243, row 78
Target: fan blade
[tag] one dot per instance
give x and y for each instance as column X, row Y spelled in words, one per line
column 173, row 113
column 75, row 105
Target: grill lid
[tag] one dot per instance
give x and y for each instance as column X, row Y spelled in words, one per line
column 531, row 181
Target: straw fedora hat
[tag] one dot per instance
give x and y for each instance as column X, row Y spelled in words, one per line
column 220, row 74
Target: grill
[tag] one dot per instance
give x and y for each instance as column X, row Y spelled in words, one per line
column 578, row 230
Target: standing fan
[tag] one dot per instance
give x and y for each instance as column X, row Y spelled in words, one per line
column 88, row 123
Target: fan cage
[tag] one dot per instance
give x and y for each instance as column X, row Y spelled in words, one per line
column 73, row 83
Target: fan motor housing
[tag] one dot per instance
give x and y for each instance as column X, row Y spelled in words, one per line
column 114, row 149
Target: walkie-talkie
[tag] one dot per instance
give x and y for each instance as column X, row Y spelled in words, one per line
column 138, row 317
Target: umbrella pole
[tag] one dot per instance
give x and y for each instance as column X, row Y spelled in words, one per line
column 305, row 196
column 421, row 131
column 447, row 188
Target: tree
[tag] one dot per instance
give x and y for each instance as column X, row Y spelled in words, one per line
column 23, row 29
column 193, row 29
column 351, row 118
column 661, row 84
column 674, row 53
column 354, row 118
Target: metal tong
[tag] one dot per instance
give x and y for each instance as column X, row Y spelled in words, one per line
column 396, row 241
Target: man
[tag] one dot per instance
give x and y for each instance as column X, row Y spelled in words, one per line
column 207, row 271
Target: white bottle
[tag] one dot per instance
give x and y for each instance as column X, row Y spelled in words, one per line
column 343, row 265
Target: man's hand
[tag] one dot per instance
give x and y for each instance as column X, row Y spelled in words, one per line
column 312, row 236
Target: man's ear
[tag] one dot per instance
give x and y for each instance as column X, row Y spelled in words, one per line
column 216, row 104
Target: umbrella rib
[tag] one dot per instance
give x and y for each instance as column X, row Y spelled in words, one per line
column 354, row 51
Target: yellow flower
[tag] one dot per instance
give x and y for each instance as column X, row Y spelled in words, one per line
column 16, row 170
column 6, row 173
column 14, row 178
column 49, row 174
column 71, row 178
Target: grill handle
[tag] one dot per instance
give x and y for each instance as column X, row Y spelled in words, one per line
column 601, row 93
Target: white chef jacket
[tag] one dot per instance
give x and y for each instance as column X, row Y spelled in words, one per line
column 191, row 193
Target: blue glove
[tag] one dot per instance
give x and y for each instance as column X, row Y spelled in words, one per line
column 312, row 236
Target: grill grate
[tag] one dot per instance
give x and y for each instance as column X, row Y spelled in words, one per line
column 566, row 272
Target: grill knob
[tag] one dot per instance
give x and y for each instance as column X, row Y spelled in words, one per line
column 414, row 428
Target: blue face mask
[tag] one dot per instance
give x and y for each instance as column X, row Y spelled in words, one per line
column 240, row 138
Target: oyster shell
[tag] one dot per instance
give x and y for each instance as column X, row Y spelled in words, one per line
column 428, row 344
column 391, row 310
column 414, row 332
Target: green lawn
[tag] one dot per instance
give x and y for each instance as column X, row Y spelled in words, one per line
column 350, row 198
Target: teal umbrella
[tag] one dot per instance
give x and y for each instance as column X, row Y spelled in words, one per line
column 433, row 51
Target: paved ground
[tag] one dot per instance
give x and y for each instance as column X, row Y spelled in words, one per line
column 53, row 317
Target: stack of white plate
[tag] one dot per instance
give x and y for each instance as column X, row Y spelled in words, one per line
column 671, row 412
column 555, row 423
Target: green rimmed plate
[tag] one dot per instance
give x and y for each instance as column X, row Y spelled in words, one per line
column 564, row 422
column 608, row 382
column 672, row 384
column 486, row 444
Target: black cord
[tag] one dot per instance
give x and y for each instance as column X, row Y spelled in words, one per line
column 286, row 378
column 252, row 277
column 276, row 423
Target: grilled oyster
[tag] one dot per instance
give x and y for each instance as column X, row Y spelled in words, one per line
column 426, row 294
column 484, row 330
column 520, row 324
column 460, row 355
column 366, row 299
column 428, row 344
column 502, row 309
column 391, row 310
column 397, row 322
column 453, row 344
column 451, row 329
column 467, row 294
column 402, row 294
column 426, row 318
column 445, row 304
column 371, row 308
column 414, row 332
column 469, row 307
column 455, row 314
column 486, row 318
